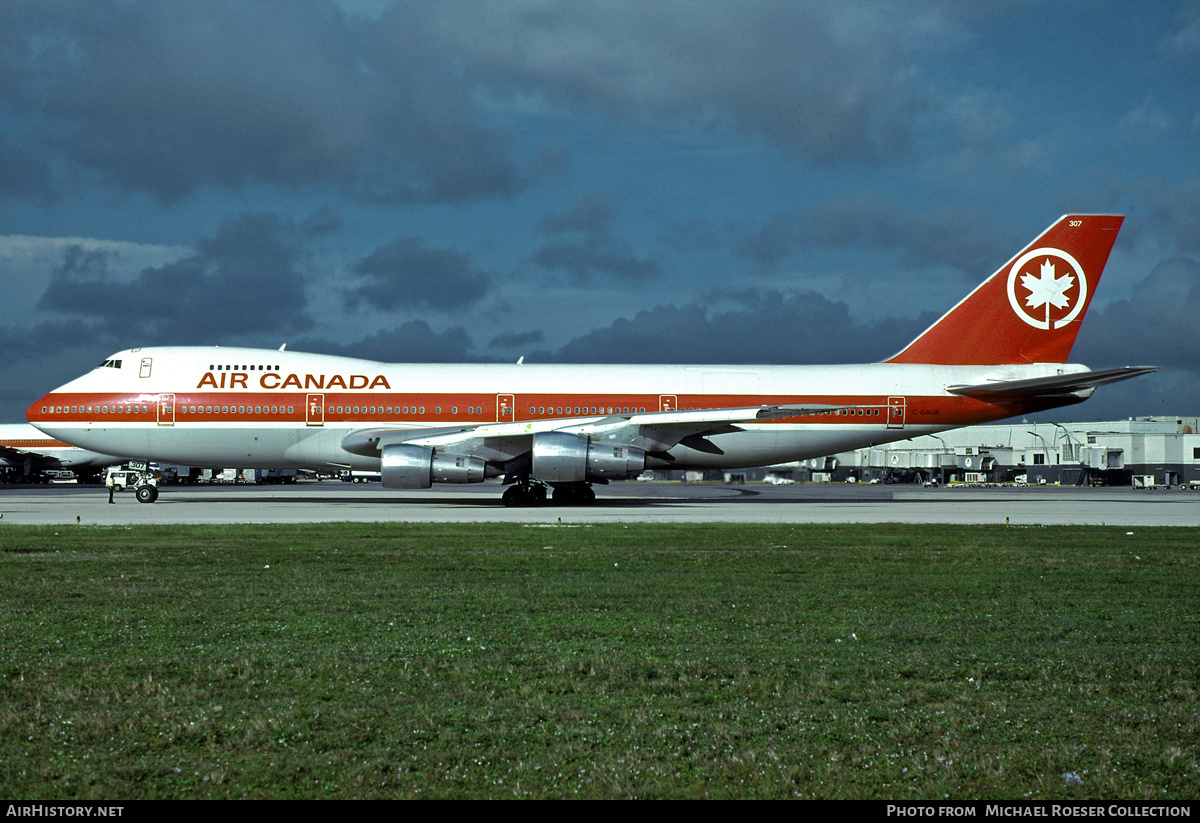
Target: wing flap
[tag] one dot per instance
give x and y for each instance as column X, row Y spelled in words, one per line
column 11, row 453
column 656, row 430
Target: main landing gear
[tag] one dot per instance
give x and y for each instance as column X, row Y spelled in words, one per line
column 533, row 493
column 574, row 494
column 525, row 494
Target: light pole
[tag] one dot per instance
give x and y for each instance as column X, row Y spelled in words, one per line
column 941, row 469
column 1045, row 448
column 1076, row 451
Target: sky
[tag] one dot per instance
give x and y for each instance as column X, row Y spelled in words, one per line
column 662, row 181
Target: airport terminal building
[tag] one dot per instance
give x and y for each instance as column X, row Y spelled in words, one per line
column 1138, row 451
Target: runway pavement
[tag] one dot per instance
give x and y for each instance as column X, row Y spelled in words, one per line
column 332, row 501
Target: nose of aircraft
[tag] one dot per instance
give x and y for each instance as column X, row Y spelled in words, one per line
column 41, row 412
column 55, row 406
column 38, row 410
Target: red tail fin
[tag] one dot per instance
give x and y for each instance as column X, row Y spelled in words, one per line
column 1030, row 310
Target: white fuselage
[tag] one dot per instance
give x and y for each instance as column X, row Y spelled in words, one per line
column 253, row 408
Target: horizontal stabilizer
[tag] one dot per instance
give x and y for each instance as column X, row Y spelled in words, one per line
column 1056, row 385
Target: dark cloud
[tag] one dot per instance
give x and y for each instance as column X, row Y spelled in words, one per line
column 766, row 327
column 1177, row 213
column 593, row 215
column 408, row 273
column 586, row 245
column 171, row 98
column 174, row 98
column 513, row 340
column 590, row 257
column 691, row 235
column 48, row 339
column 245, row 280
column 411, row 342
column 45, row 355
column 1156, row 326
column 168, row 98
column 322, row 223
column 820, row 80
column 935, row 237
column 1183, row 42
column 24, row 174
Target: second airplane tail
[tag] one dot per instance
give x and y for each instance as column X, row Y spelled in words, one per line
column 1030, row 310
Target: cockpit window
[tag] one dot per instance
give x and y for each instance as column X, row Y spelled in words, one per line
column 110, row 364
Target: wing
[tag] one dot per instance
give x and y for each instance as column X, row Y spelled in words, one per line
column 1080, row 385
column 14, row 456
column 648, row 431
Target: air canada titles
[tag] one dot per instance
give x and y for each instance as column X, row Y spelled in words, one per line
column 275, row 380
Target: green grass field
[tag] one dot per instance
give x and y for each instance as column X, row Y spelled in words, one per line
column 366, row 661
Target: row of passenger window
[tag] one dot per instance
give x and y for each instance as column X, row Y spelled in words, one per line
column 387, row 410
column 533, row 410
column 582, row 410
column 399, row 410
column 189, row 409
column 95, row 409
column 237, row 409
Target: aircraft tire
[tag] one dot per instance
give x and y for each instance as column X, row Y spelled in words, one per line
column 146, row 493
column 519, row 495
column 574, row 494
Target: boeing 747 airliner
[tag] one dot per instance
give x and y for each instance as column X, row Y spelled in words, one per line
column 1000, row 352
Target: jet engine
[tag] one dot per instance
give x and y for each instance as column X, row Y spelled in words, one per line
column 561, row 457
column 408, row 466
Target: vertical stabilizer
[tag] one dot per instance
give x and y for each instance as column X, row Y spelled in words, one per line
column 1030, row 310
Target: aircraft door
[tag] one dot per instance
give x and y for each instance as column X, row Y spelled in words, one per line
column 314, row 414
column 506, row 408
column 895, row 413
column 144, row 368
column 166, row 410
column 667, row 402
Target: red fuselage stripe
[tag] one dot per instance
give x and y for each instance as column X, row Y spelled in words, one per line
column 34, row 444
column 379, row 407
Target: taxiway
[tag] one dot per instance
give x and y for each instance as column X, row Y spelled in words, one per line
column 331, row 501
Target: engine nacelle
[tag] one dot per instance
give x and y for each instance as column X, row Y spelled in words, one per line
column 561, row 457
column 408, row 466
